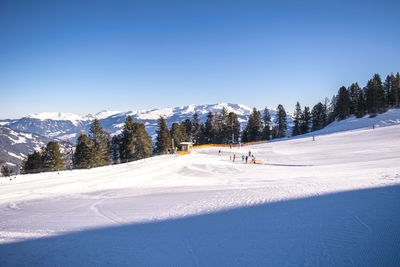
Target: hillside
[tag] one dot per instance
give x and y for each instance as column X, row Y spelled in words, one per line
column 15, row 145
column 66, row 125
column 332, row 201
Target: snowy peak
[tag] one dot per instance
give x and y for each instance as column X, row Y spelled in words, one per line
column 102, row 115
column 57, row 116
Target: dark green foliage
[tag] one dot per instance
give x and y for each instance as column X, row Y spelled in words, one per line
column 297, row 120
column 142, row 142
column 254, row 126
column 357, row 105
column 375, row 97
column 342, row 107
column 209, row 133
column 305, row 121
column 100, row 141
column 5, row 171
column 281, row 122
column 163, row 141
column 188, row 128
column 360, row 106
column 232, row 128
column 318, row 115
column 178, row 133
column 392, row 90
column 116, row 145
column 266, row 133
column 52, row 157
column 197, row 131
column 396, row 91
column 134, row 142
column 83, row 152
column 127, row 147
column 33, row 163
column 388, row 89
column 244, row 136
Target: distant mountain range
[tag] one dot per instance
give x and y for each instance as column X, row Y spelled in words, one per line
column 38, row 129
column 15, row 145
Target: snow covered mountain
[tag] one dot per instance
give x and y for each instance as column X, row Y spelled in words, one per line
column 15, row 145
column 68, row 125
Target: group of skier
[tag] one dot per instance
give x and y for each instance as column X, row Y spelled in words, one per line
column 248, row 158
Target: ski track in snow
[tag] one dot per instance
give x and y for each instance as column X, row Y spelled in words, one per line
column 297, row 208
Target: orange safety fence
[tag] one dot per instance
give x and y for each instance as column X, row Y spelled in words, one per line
column 182, row 152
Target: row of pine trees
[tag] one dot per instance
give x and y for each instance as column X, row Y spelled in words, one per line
column 98, row 148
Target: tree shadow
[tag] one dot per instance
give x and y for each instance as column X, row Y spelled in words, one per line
column 359, row 228
column 289, row 165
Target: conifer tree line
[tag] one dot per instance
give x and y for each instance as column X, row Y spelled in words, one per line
column 49, row 158
column 97, row 148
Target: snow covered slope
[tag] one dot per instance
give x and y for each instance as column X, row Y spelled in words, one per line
column 331, row 202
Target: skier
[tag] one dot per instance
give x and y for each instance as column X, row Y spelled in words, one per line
column 313, row 138
column 249, row 153
column 246, row 158
column 242, row 158
column 234, row 157
column 219, row 152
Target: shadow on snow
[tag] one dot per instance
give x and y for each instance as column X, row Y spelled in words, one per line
column 359, row 228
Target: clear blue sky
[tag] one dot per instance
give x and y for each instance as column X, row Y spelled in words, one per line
column 85, row 56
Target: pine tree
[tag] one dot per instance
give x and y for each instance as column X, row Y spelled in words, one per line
column 116, row 145
column 163, row 140
column 225, row 126
column 254, row 126
column 217, row 129
column 209, row 129
column 396, row 89
column 188, row 129
column 142, row 142
column 266, row 134
column 83, row 153
column 127, row 148
column 177, row 133
column 52, row 157
column 100, row 144
column 388, row 88
column 342, row 108
column 33, row 163
column 318, row 115
column 375, row 97
column 305, row 121
column 197, row 132
column 354, row 95
column 360, row 105
column 297, row 120
column 232, row 125
column 5, row 171
column 281, row 122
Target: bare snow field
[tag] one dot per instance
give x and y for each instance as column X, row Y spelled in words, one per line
column 334, row 201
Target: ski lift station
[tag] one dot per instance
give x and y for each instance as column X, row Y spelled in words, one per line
column 186, row 146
